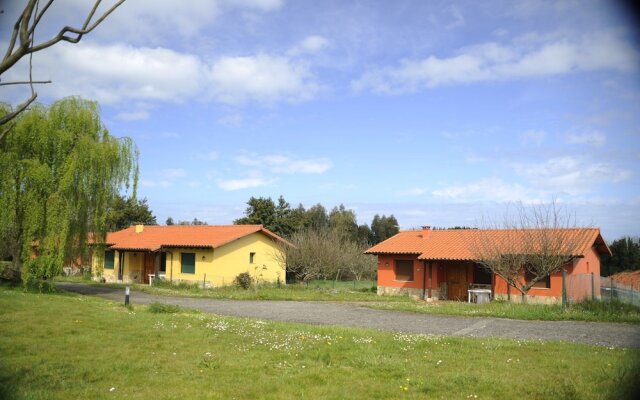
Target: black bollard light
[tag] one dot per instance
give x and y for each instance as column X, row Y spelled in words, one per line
column 126, row 296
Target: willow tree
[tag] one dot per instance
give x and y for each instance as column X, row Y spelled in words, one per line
column 59, row 171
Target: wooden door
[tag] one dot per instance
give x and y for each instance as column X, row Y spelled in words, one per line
column 457, row 281
column 149, row 265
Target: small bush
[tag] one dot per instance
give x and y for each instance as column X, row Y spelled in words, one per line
column 243, row 280
column 160, row 308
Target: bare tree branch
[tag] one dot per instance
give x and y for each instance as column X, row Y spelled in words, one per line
column 23, row 83
column 22, row 41
column 18, row 110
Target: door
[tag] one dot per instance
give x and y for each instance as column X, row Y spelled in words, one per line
column 149, row 265
column 457, row 281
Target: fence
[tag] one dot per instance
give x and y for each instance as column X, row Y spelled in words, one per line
column 583, row 287
column 615, row 290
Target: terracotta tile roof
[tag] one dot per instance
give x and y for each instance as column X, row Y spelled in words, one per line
column 460, row 244
column 154, row 237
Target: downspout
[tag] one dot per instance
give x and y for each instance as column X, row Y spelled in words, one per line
column 430, row 285
column 424, row 280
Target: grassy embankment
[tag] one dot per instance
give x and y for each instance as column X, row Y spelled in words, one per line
column 598, row 311
column 60, row 346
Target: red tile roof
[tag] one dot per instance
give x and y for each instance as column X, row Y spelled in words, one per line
column 153, row 237
column 459, row 244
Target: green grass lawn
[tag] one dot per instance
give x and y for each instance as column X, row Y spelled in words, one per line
column 63, row 346
column 315, row 291
column 602, row 311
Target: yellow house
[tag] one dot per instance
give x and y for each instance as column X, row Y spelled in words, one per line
column 208, row 255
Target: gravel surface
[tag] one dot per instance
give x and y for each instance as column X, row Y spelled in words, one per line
column 346, row 314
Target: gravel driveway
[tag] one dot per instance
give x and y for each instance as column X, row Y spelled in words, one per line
column 326, row 313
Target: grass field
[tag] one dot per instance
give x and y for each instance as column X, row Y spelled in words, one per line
column 315, row 291
column 61, row 346
column 602, row 311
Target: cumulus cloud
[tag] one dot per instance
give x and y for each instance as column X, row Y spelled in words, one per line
column 487, row 189
column 117, row 73
column 310, row 44
column 571, row 175
column 494, row 61
column 156, row 21
column 243, row 183
column 595, row 139
column 278, row 163
column 262, row 77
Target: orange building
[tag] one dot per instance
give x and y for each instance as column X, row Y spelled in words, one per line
column 441, row 264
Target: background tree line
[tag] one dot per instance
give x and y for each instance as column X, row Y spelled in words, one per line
column 327, row 245
column 284, row 220
column 626, row 256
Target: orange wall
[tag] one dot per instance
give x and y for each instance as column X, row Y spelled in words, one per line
column 578, row 281
column 386, row 274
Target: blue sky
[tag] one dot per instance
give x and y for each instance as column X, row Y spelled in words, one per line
column 439, row 112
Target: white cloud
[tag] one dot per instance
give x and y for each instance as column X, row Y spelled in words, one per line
column 532, row 136
column 310, row 44
column 488, row 189
column 494, row 61
column 263, row 77
column 156, row 21
column 172, row 173
column 571, row 175
column 278, row 163
column 595, row 139
column 114, row 74
column 245, row 183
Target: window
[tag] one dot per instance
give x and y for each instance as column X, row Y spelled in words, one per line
column 251, row 256
column 163, row 262
column 109, row 257
column 544, row 283
column 188, row 263
column 404, row 270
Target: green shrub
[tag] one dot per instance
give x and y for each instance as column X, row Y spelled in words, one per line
column 160, row 308
column 243, row 280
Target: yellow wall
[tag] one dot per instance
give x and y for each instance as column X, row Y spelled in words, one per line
column 133, row 267
column 220, row 266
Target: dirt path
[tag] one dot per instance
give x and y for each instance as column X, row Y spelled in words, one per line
column 325, row 313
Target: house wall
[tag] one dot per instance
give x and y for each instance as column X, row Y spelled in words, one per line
column 387, row 283
column 133, row 267
column 578, row 282
column 219, row 267
column 214, row 267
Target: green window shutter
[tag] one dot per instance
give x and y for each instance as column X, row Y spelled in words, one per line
column 109, row 257
column 188, row 263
